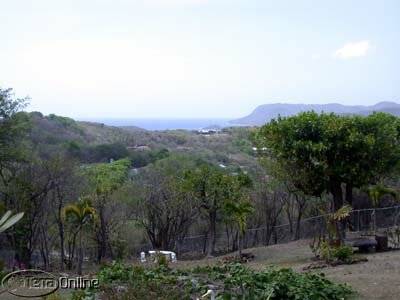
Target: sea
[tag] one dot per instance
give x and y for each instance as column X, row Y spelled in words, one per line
column 163, row 124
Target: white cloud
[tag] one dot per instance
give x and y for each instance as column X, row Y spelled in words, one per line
column 352, row 50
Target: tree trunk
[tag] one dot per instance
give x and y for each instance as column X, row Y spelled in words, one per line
column 337, row 193
column 240, row 247
column 80, row 256
column 298, row 226
column 349, row 194
column 213, row 226
column 103, row 236
column 61, row 235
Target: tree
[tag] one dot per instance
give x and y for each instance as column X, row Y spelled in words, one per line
column 269, row 198
column 104, row 179
column 67, row 186
column 162, row 202
column 239, row 210
column 25, row 187
column 14, row 125
column 205, row 181
column 376, row 192
column 328, row 153
column 81, row 214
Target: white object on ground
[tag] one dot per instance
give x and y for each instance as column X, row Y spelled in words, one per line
column 210, row 293
column 142, row 257
column 170, row 254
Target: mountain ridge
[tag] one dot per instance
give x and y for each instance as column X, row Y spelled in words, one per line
column 264, row 113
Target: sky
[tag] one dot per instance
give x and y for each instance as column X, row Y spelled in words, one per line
column 197, row 58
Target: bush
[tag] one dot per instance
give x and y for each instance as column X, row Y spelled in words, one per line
column 343, row 252
column 234, row 281
column 328, row 252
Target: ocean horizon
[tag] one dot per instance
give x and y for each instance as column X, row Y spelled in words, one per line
column 161, row 124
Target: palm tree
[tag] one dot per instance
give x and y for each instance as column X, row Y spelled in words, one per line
column 80, row 213
column 334, row 224
column 239, row 211
column 9, row 220
column 376, row 192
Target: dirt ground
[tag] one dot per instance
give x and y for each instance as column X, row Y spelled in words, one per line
column 379, row 278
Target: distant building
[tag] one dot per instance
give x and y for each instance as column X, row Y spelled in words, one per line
column 259, row 150
column 140, row 148
column 209, row 130
column 183, row 148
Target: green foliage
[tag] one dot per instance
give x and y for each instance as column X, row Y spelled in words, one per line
column 333, row 221
column 161, row 260
column 341, row 252
column 143, row 158
column 81, row 212
column 165, row 206
column 319, row 152
column 234, row 281
column 14, row 126
column 377, row 191
column 63, row 121
column 106, row 177
column 120, row 249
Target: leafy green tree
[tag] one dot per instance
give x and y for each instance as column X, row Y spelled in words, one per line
column 80, row 214
column 376, row 192
column 14, row 126
column 237, row 204
column 205, row 182
column 213, row 189
column 239, row 211
column 321, row 152
column 325, row 152
column 104, row 179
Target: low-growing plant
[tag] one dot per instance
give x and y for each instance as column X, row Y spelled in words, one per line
column 329, row 253
column 343, row 252
column 161, row 260
column 230, row 281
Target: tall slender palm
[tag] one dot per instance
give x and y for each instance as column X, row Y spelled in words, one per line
column 81, row 213
column 376, row 192
column 239, row 211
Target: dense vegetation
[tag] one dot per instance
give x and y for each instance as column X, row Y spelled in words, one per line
column 231, row 281
column 91, row 192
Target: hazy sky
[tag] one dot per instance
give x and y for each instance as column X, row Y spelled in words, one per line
column 197, row 58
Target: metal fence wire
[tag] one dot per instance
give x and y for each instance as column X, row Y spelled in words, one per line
column 361, row 220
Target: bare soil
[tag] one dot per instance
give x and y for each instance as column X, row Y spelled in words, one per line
column 378, row 278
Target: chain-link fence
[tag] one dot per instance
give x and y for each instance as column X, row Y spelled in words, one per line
column 361, row 220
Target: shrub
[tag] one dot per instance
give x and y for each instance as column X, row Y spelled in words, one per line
column 161, row 260
column 234, row 281
column 343, row 252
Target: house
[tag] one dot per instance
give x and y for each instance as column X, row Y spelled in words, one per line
column 139, row 148
column 210, row 130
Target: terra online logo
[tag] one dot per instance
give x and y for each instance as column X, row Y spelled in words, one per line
column 36, row 283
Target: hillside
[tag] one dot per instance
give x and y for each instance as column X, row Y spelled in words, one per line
column 263, row 113
column 94, row 142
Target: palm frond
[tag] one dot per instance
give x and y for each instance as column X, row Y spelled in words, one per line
column 10, row 221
